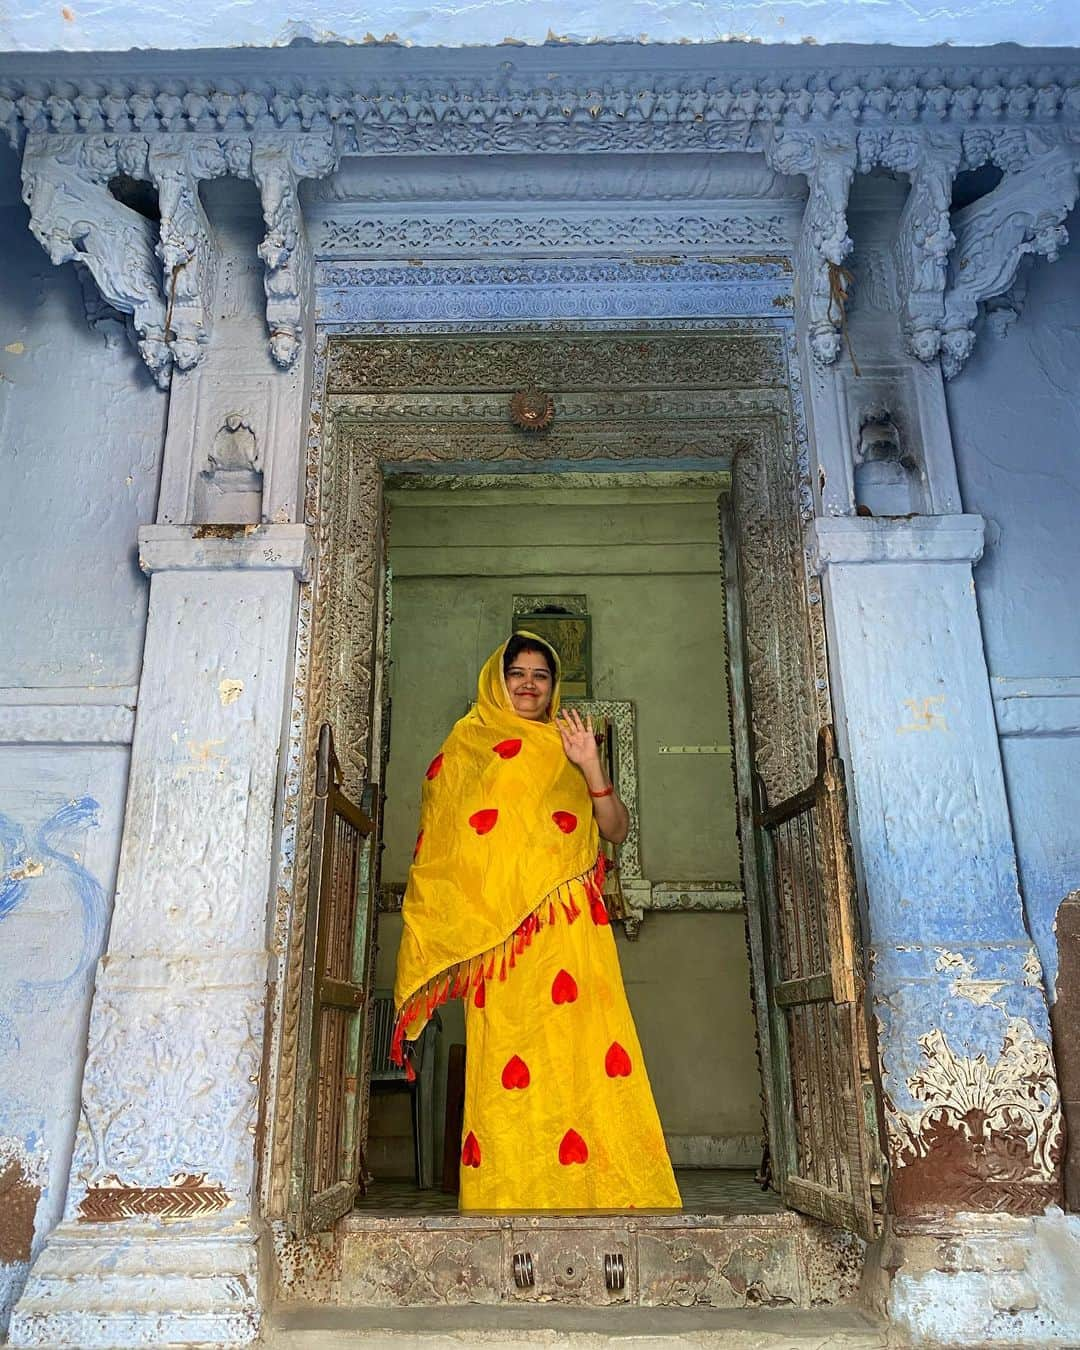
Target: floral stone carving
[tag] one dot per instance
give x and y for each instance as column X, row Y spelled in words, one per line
column 989, row 1136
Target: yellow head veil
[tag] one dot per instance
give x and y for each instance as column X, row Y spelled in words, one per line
column 506, row 823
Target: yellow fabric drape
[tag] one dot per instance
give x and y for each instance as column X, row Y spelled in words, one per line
column 504, row 907
column 506, row 822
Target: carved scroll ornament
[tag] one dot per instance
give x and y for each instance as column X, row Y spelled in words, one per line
column 163, row 275
column 75, row 218
column 1022, row 216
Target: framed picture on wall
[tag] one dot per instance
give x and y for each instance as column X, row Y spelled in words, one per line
column 563, row 622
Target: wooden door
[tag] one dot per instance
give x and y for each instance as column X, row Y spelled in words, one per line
column 830, row 1162
column 341, row 901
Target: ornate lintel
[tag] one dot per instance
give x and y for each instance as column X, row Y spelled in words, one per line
column 163, row 277
column 927, row 122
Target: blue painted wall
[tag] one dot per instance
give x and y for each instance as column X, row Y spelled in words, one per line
column 81, row 428
column 121, row 24
column 1015, row 418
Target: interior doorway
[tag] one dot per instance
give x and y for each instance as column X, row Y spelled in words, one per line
column 629, row 568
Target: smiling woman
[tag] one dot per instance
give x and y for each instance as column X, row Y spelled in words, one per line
column 504, row 909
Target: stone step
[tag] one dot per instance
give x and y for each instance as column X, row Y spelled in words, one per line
column 625, row 1328
column 780, row 1260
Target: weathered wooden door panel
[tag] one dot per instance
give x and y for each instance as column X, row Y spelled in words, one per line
column 328, row 1139
column 830, row 1155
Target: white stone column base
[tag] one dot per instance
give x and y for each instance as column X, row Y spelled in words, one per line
column 115, row 1286
column 981, row 1279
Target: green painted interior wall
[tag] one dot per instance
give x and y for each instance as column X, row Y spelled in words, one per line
column 648, row 560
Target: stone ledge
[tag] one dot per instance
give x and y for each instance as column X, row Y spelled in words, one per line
column 226, row 548
column 34, row 723
column 908, row 539
column 226, row 970
column 544, row 1325
column 133, row 1285
column 1039, row 707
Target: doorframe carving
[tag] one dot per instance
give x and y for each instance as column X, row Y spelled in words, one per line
column 755, row 429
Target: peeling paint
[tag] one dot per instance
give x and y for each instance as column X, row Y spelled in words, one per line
column 30, row 868
column 1033, row 971
column 22, row 1177
column 229, row 691
column 980, row 992
column 203, row 757
column 223, row 531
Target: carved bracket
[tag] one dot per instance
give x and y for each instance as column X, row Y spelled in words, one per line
column 1022, row 216
column 163, row 274
column 278, row 164
column 75, row 218
column 828, row 160
column 924, row 235
column 948, row 263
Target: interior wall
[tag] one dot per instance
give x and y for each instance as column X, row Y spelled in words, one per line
column 1015, row 417
column 651, row 569
column 81, row 426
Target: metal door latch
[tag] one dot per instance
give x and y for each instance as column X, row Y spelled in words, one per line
column 524, row 1273
column 614, row 1272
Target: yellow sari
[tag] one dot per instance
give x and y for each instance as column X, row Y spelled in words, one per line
column 504, row 908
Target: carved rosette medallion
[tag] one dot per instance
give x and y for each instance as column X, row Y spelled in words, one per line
column 531, row 410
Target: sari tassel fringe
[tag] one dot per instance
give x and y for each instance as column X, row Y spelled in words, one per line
column 459, row 979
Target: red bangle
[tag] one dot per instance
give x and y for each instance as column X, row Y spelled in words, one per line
column 605, row 792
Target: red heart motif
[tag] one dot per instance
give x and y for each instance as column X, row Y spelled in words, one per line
column 480, row 998
column 617, row 1061
column 507, row 749
column 484, row 821
column 434, row 767
column 419, row 841
column 573, row 1149
column 564, row 988
column 470, row 1152
column 516, row 1073
column 598, row 910
column 566, row 821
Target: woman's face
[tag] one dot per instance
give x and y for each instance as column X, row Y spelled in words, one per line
column 529, row 684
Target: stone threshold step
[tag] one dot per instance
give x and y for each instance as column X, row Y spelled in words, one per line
column 379, row 1221
column 448, row 1328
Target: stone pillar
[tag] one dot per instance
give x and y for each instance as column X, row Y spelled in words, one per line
column 158, row 1241
column 970, row 1094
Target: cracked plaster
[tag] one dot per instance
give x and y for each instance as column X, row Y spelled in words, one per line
column 89, row 25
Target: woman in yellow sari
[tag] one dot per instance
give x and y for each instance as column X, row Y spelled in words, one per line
column 504, row 908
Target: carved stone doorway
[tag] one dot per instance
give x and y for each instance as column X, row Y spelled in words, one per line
column 713, row 398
